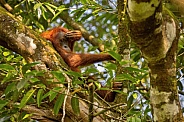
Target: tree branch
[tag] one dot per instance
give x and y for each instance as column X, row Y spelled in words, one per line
column 6, row 5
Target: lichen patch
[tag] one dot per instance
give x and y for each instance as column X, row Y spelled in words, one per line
column 27, row 42
column 159, row 96
column 166, row 111
column 139, row 11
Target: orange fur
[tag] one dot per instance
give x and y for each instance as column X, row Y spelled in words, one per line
column 63, row 41
column 58, row 35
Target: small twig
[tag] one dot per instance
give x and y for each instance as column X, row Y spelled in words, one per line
column 112, row 2
column 91, row 99
column 133, row 105
column 6, row 5
column 180, row 92
column 108, row 108
column 67, row 93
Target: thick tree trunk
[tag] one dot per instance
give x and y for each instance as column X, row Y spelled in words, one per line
column 156, row 34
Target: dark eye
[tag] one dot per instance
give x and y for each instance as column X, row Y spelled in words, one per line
column 65, row 46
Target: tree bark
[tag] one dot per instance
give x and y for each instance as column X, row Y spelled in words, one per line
column 179, row 4
column 156, row 34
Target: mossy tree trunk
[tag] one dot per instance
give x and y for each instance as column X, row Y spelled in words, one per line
column 156, row 34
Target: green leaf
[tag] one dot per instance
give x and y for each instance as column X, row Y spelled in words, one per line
column 77, row 81
column 45, row 95
column 9, row 88
column 34, row 73
column 51, row 5
column 79, row 14
column 22, row 83
column 135, row 54
column 3, row 103
column 100, row 18
column 130, row 101
column 75, row 105
column 110, row 66
column 84, row 1
column 121, row 77
column 26, row 98
column 22, row 2
column 83, row 20
column 135, row 95
column 96, row 11
column 10, row 57
column 134, row 119
column 34, row 80
column 58, row 13
column 39, row 97
column 60, row 9
column 123, row 63
column 109, row 17
column 41, row 85
column 8, row 77
column 135, row 69
column 58, row 103
column 15, row 95
column 98, row 85
column 115, row 55
column 36, row 6
column 44, row 13
column 75, row 74
column 147, row 110
column 38, row 24
column 52, row 95
column 58, row 75
column 6, row 67
column 28, row 66
column 91, row 70
column 27, row 116
column 6, row 53
column 47, row 5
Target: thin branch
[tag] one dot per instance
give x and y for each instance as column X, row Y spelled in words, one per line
column 109, row 108
column 6, row 5
column 91, row 99
column 180, row 92
column 67, row 93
